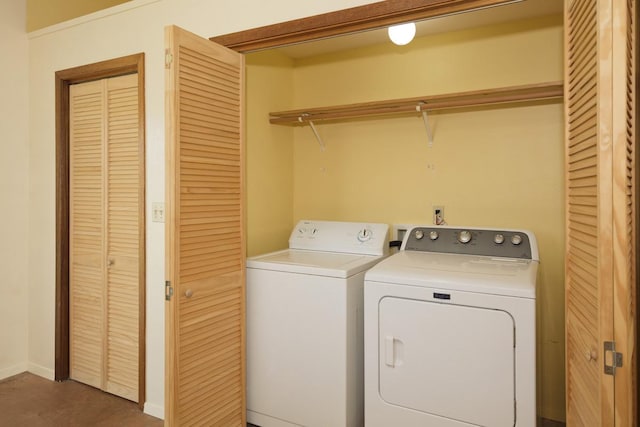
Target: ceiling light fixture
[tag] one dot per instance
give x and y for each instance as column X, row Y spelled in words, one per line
column 402, row 34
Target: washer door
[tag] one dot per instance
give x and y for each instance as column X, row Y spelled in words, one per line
column 448, row 360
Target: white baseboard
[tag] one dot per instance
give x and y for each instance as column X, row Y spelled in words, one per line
column 41, row 371
column 13, row 370
column 154, row 410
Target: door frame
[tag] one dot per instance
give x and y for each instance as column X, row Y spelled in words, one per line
column 63, row 79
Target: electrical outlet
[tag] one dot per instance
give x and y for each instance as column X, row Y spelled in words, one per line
column 438, row 215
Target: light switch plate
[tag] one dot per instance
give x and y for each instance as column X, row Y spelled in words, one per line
column 157, row 212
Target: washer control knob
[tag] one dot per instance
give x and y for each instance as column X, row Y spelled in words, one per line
column 498, row 239
column 516, row 239
column 364, row 235
column 419, row 234
column 433, row 235
column 464, row 236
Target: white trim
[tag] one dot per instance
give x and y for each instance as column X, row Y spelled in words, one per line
column 154, row 410
column 41, row 371
column 114, row 10
column 13, row 370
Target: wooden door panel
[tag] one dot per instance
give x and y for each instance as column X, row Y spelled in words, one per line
column 86, row 239
column 600, row 255
column 583, row 299
column 123, row 232
column 624, row 134
column 205, row 236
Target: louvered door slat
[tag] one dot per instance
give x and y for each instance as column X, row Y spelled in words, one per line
column 86, row 240
column 205, row 238
column 582, row 45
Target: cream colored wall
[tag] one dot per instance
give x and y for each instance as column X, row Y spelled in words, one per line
column 269, row 153
column 14, row 190
column 43, row 13
column 498, row 167
column 135, row 26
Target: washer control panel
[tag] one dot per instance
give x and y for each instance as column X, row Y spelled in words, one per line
column 343, row 237
column 472, row 241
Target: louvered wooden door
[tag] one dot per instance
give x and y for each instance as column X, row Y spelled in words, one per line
column 105, row 234
column 601, row 212
column 205, row 357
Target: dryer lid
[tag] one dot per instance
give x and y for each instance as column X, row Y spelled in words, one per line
column 468, row 273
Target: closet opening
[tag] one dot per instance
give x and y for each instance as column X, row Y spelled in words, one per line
column 356, row 24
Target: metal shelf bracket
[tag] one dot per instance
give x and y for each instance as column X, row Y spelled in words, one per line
column 425, row 117
column 315, row 132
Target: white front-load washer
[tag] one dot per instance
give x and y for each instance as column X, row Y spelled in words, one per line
column 450, row 330
column 305, row 325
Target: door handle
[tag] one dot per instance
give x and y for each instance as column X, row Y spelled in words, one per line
column 389, row 353
column 110, row 262
column 188, row 293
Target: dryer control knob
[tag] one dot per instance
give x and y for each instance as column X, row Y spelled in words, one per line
column 516, row 239
column 498, row 239
column 464, row 236
column 433, row 235
column 419, row 234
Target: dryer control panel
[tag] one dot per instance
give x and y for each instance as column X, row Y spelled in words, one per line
column 342, row 237
column 519, row 244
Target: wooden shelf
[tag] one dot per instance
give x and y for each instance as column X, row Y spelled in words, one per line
column 503, row 95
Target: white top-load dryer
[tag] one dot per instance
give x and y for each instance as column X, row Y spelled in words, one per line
column 305, row 325
column 450, row 330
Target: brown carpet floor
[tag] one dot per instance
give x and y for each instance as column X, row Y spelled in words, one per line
column 27, row 400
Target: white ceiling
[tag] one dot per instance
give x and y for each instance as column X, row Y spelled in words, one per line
column 478, row 18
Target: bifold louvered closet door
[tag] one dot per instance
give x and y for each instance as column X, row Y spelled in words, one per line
column 105, row 234
column 601, row 187
column 204, row 233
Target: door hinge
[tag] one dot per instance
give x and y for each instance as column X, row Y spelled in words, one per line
column 168, row 290
column 616, row 358
column 168, row 58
